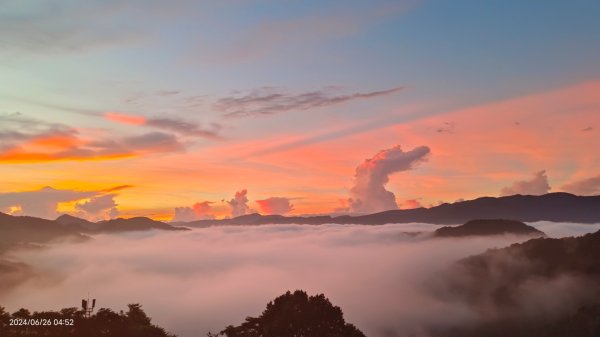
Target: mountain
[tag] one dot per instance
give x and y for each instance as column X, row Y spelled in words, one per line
column 488, row 227
column 25, row 229
column 559, row 207
column 78, row 223
column 134, row 224
column 542, row 287
column 113, row 225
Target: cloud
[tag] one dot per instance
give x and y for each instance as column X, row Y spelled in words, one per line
column 588, row 186
column 275, row 205
column 196, row 281
column 538, row 185
column 410, row 204
column 100, row 207
column 198, row 211
column 267, row 101
column 170, row 124
column 368, row 195
column 33, row 141
column 64, row 27
column 124, row 118
column 239, row 204
column 40, row 203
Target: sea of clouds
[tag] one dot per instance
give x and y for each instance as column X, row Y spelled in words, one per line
column 203, row 280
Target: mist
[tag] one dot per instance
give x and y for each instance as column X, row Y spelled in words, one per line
column 205, row 279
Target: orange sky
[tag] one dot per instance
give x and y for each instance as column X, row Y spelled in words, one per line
column 475, row 151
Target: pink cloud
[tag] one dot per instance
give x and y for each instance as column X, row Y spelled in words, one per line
column 275, row 205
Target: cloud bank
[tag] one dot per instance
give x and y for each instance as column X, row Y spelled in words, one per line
column 537, row 185
column 44, row 203
column 40, row 203
column 204, row 279
column 368, row 195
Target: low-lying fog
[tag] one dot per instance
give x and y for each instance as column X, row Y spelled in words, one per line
column 202, row 280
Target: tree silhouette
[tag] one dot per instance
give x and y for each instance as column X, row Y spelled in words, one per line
column 72, row 322
column 295, row 315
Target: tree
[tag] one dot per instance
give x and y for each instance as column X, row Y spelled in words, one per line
column 295, row 315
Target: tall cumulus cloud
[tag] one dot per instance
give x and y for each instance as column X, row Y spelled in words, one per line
column 239, row 203
column 368, row 195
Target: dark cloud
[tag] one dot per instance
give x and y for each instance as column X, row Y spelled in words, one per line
column 588, row 186
column 28, row 140
column 275, row 205
column 448, row 127
column 184, row 127
column 368, row 193
column 589, row 128
column 537, row 185
column 267, row 101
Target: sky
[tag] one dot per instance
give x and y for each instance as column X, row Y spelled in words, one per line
column 186, row 110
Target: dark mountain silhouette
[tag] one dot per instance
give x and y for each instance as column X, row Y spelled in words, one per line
column 295, row 314
column 488, row 227
column 77, row 223
column 114, row 225
column 135, row 224
column 24, row 229
column 514, row 289
column 527, row 208
column 72, row 322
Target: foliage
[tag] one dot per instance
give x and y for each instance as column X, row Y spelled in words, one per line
column 73, row 322
column 295, row 315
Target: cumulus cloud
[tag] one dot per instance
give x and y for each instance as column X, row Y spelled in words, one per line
column 239, row 203
column 368, row 193
column 275, row 205
column 589, row 186
column 537, row 185
column 198, row 211
column 197, row 281
column 410, row 204
column 43, row 203
column 101, row 207
column 40, row 203
column 267, row 101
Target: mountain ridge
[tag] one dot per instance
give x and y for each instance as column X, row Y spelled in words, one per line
column 557, row 207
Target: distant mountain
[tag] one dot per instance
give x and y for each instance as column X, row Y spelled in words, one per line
column 21, row 230
column 559, row 207
column 78, row 223
column 25, row 229
column 135, row 224
column 114, row 225
column 488, row 227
